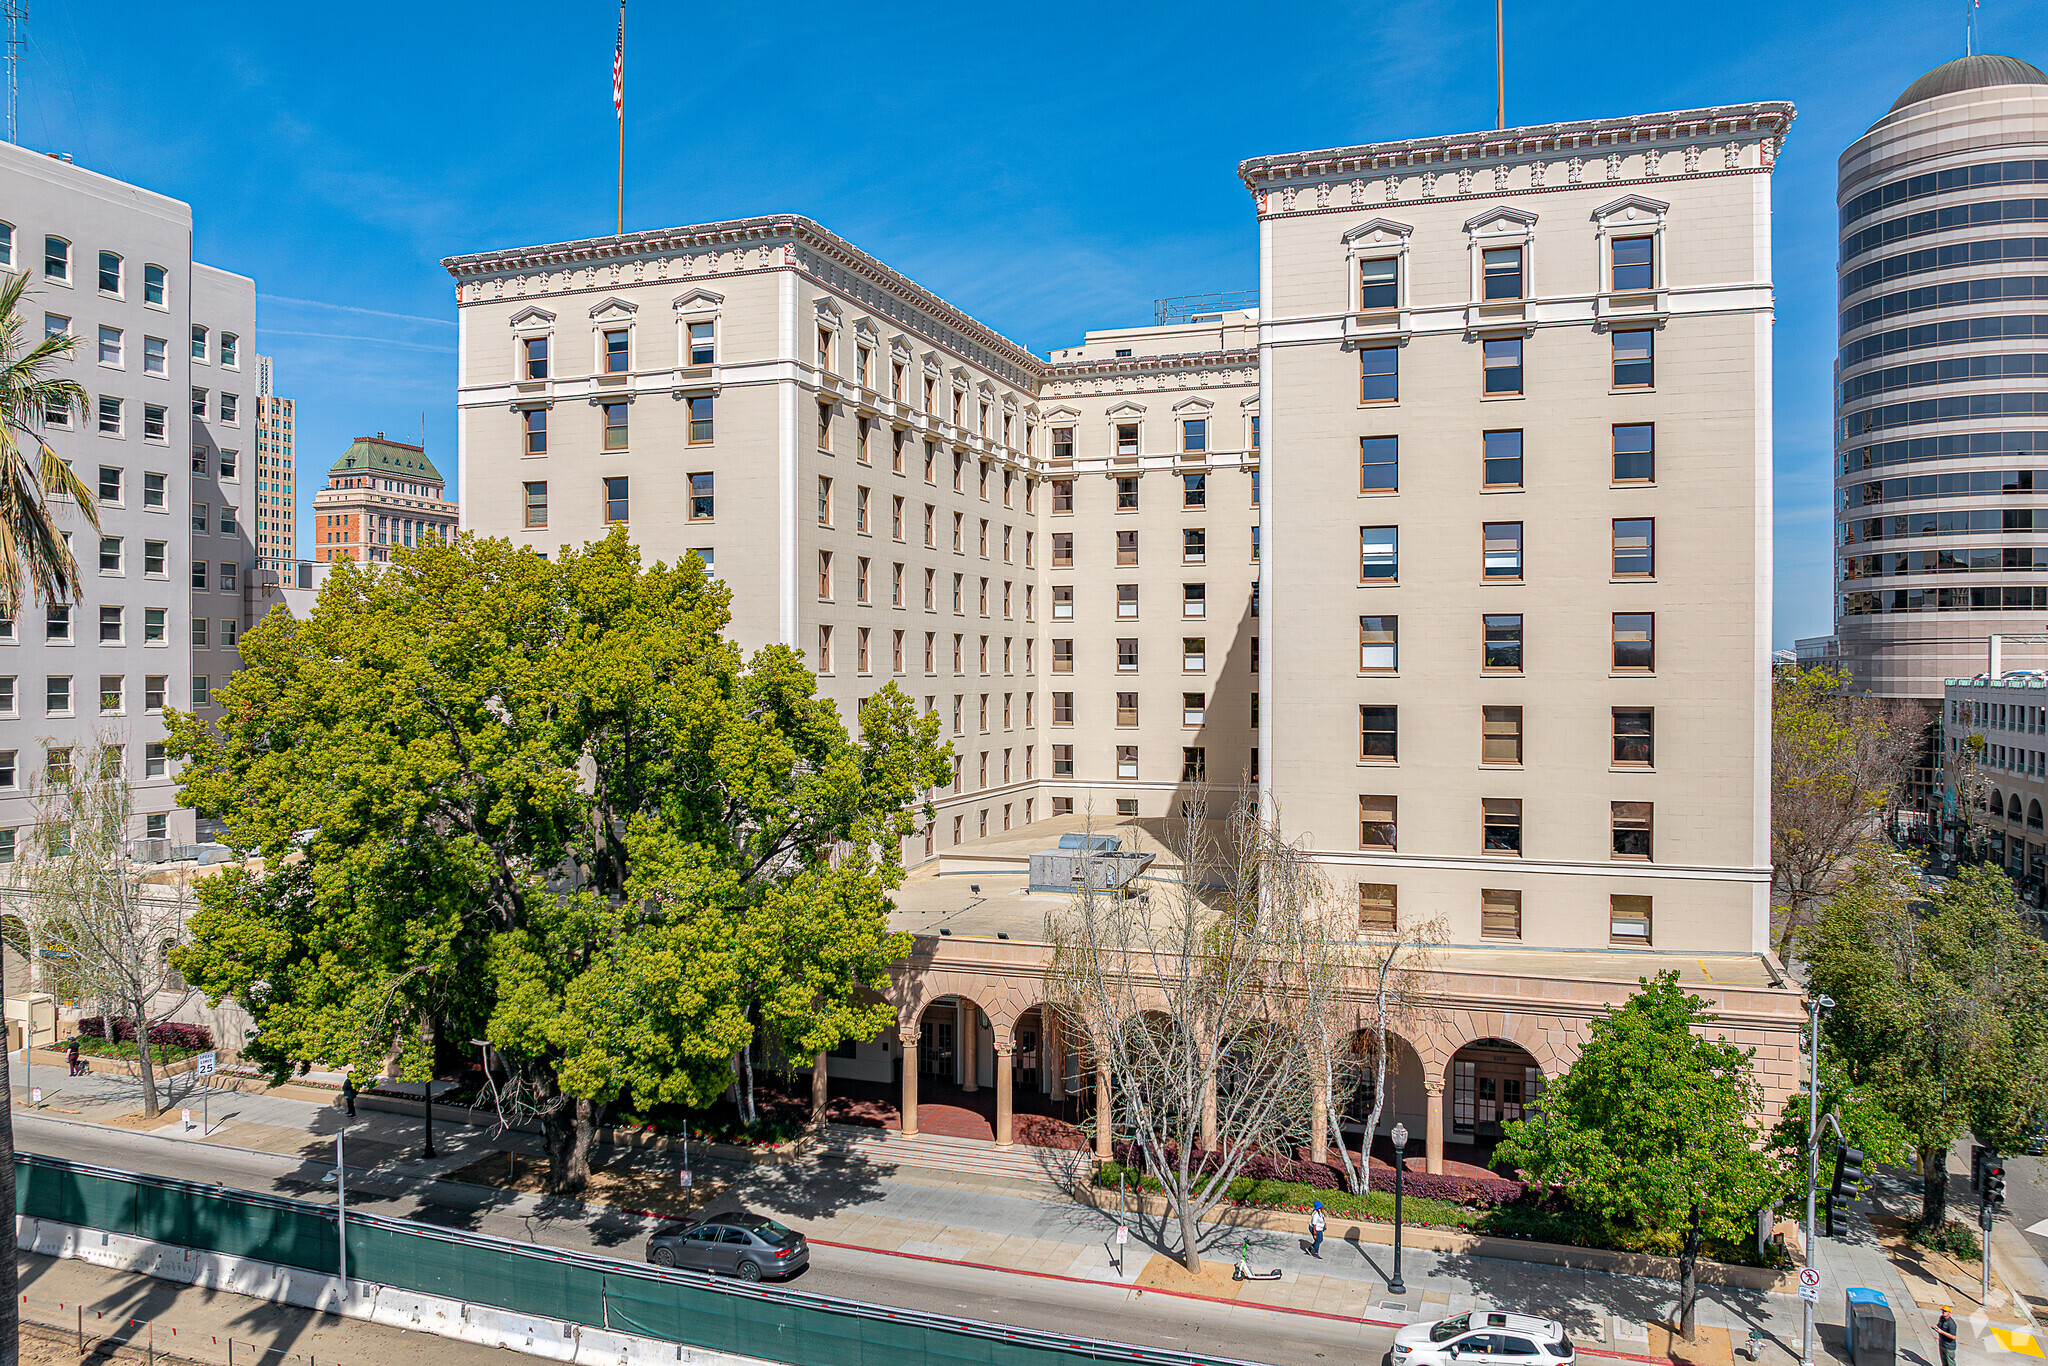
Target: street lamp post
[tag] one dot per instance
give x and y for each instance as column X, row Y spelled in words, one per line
column 428, row 1152
column 1814, row 1007
column 341, row 1213
column 1400, row 1137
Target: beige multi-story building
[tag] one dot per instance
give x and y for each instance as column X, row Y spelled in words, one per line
column 380, row 494
column 277, row 501
column 1456, row 549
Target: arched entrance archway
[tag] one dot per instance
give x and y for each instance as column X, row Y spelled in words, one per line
column 1491, row 1082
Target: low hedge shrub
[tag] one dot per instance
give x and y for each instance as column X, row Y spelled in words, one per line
column 189, row 1038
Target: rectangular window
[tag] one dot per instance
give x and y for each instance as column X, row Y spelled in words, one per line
column 1376, row 902
column 1063, row 550
column 112, row 695
column 1502, row 269
column 1194, row 600
column 825, row 650
column 198, row 342
column 57, row 621
column 1127, row 709
column 1635, row 452
column 1126, row 655
column 155, row 763
column 825, row 577
column 1377, row 827
column 1378, row 645
column 153, row 425
column 1379, row 282
column 534, row 356
column 1500, row 914
column 1063, row 709
column 230, row 408
column 1126, row 761
column 1379, row 734
column 57, row 695
column 199, row 575
column 1126, row 602
column 860, row 581
column 1502, row 555
column 202, row 521
column 1635, row 547
column 1503, row 460
column 56, row 259
column 1194, row 490
column 1500, row 735
column 1503, row 365
column 1194, row 654
column 1063, row 445
column 1628, row 920
column 1635, row 261
column 1502, row 651
column 227, row 464
column 227, row 520
column 1193, row 707
column 110, row 345
column 1379, row 369
column 1063, row 656
column 614, row 426
column 702, row 339
column 1194, row 545
column 615, row 351
column 1127, row 494
column 110, row 625
column 1502, row 821
column 153, row 285
column 110, row 554
column 110, row 415
column 1062, row 495
column 1194, row 764
column 1634, row 359
column 154, row 689
column 230, row 633
column 1127, row 547
column 1635, row 642
column 616, row 504
column 536, row 420
column 537, row 503
column 1635, row 737
column 1631, row 829
column 155, row 357
column 199, row 633
column 1379, row 464
column 825, row 504
column 1127, row 440
column 861, row 498
column 153, row 625
column 110, row 273
column 1379, row 558
column 1062, row 761
column 1194, row 435
column 153, row 491
column 1063, row 602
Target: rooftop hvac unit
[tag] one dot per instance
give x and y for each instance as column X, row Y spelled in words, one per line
column 1073, row 870
column 150, row 850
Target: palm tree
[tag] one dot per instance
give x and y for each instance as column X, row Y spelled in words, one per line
column 35, row 562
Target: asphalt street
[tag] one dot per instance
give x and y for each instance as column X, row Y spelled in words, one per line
column 2026, row 1200
column 1043, row 1303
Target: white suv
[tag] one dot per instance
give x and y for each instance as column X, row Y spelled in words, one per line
column 1484, row 1338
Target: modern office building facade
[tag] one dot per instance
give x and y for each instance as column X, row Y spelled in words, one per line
column 380, row 493
column 164, row 356
column 1941, row 436
column 276, row 499
column 1456, row 550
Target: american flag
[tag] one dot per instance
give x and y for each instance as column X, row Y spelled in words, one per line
column 619, row 68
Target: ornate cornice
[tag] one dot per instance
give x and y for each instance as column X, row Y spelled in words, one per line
column 1141, row 365
column 740, row 234
column 1769, row 118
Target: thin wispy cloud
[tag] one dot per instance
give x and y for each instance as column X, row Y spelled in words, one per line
column 344, row 336
column 351, row 308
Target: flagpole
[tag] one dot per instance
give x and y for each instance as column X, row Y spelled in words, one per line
column 1500, row 67
column 619, row 98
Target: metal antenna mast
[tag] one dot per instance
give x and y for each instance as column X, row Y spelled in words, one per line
column 17, row 15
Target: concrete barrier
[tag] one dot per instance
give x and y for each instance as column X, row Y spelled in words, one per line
column 554, row 1339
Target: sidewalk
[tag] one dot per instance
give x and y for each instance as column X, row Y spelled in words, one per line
column 1011, row 1227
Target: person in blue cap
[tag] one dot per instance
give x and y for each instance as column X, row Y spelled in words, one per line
column 1317, row 1222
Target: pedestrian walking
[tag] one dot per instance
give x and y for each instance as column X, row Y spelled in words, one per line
column 1317, row 1222
column 71, row 1056
column 1945, row 1334
column 348, row 1093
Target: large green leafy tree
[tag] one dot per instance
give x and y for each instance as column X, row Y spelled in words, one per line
column 551, row 805
column 1656, row 1125
column 1941, row 1009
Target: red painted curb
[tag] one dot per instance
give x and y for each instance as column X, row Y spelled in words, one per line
column 1191, row 1295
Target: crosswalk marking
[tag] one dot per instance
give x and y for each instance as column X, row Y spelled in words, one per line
column 2039, row 1230
column 2016, row 1341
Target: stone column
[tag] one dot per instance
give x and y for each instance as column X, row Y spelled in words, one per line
column 1319, row 1123
column 967, row 1036
column 818, row 1084
column 1103, row 1124
column 908, row 1123
column 1004, row 1054
column 1052, row 1053
column 1433, row 1142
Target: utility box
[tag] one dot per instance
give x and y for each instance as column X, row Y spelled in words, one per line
column 33, row 1016
column 1078, row 840
column 1867, row 1324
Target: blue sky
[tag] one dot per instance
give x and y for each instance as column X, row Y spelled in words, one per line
column 1048, row 168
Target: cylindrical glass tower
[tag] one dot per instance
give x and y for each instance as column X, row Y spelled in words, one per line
column 1941, row 383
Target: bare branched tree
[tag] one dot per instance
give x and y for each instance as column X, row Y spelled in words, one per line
column 1201, row 996
column 1838, row 761
column 1382, row 986
column 85, row 896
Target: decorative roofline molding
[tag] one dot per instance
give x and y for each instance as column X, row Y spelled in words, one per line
column 1136, row 365
column 1768, row 118
column 739, row 232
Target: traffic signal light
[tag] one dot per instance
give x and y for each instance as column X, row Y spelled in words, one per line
column 1848, row 1182
column 1994, row 1185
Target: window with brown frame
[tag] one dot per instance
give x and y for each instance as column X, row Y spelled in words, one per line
column 1632, row 830
column 1063, row 656
column 1635, row 737
column 1500, row 914
column 1127, row 709
column 1126, row 547
column 1379, row 734
column 1500, row 735
column 1629, row 920
column 1377, row 825
column 1063, row 550
column 1501, row 822
column 1635, row 642
column 1376, row 907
